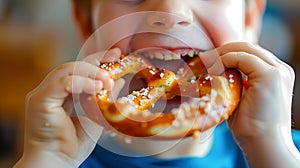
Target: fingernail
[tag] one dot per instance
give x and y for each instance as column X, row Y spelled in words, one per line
column 116, row 51
column 112, row 55
column 104, row 73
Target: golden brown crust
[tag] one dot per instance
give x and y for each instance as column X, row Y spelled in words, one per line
column 215, row 99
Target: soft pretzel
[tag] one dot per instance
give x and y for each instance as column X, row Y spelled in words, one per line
column 214, row 99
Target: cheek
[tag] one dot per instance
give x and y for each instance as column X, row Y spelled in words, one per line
column 114, row 24
column 223, row 24
column 222, row 30
column 109, row 32
column 105, row 14
column 107, row 11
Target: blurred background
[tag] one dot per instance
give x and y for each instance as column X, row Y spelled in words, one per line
column 37, row 35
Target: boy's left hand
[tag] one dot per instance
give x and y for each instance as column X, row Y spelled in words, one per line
column 265, row 106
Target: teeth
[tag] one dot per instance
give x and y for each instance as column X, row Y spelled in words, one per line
column 159, row 56
column 184, row 54
column 176, row 56
column 169, row 55
column 191, row 53
column 151, row 55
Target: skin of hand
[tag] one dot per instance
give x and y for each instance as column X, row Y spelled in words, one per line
column 266, row 104
column 52, row 135
column 262, row 122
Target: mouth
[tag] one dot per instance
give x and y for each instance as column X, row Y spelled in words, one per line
column 168, row 54
column 172, row 59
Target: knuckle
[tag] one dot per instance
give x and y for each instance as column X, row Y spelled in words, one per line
column 242, row 54
column 286, row 73
column 66, row 80
column 248, row 45
column 291, row 72
column 274, row 71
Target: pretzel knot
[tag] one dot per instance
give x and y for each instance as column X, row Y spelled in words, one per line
column 214, row 98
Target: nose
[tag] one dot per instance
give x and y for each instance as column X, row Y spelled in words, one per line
column 169, row 13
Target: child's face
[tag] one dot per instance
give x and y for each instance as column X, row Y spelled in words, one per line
column 171, row 24
column 161, row 29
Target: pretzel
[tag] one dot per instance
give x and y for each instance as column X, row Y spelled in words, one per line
column 214, row 99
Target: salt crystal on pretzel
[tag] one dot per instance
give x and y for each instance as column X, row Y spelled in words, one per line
column 216, row 99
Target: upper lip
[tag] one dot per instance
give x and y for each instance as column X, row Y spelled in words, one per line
column 166, row 51
column 148, row 41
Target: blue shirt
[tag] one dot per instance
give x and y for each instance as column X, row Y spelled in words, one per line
column 224, row 154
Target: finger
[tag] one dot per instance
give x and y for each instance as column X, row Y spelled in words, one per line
column 61, row 88
column 258, row 51
column 99, row 57
column 214, row 64
column 249, row 64
column 97, row 75
column 81, row 69
column 251, row 49
column 261, row 75
column 79, row 84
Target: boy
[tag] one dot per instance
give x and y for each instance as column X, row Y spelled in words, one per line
column 261, row 125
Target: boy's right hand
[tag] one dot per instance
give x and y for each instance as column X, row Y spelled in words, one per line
column 53, row 138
